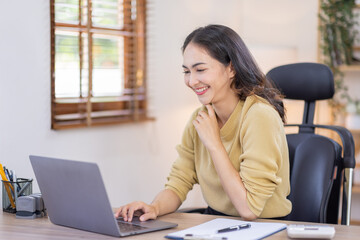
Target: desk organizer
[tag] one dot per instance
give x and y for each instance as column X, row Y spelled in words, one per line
column 12, row 190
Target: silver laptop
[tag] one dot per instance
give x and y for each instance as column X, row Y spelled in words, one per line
column 74, row 195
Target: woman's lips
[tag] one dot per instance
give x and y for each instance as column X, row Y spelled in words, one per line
column 201, row 91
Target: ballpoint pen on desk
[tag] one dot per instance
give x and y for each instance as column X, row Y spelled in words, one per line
column 203, row 237
column 234, row 228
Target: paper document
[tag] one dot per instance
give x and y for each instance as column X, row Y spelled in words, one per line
column 208, row 230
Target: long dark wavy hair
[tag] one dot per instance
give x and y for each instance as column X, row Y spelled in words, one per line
column 225, row 45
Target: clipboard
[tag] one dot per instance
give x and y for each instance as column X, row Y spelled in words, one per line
column 208, row 230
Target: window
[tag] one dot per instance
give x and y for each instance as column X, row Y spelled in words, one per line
column 97, row 62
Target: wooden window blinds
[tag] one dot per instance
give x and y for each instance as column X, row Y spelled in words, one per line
column 97, row 62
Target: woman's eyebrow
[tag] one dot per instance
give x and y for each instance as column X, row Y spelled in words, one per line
column 194, row 65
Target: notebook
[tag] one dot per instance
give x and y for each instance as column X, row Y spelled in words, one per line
column 208, row 230
column 74, row 195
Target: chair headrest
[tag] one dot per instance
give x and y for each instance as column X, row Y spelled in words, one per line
column 303, row 81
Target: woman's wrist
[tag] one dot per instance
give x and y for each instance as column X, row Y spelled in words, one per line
column 215, row 148
column 156, row 207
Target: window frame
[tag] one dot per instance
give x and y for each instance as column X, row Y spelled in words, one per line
column 131, row 106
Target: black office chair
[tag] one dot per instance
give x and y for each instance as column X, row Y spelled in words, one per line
column 318, row 164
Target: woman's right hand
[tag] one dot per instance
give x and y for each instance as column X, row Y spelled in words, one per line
column 141, row 209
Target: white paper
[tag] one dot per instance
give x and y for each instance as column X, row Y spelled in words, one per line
column 209, row 229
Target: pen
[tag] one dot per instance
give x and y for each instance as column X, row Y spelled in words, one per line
column 11, row 175
column 234, row 228
column 6, row 171
column 15, row 181
column 8, row 186
column 202, row 237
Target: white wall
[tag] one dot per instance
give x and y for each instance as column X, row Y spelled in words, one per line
column 134, row 158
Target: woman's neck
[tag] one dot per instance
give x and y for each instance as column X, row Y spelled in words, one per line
column 224, row 109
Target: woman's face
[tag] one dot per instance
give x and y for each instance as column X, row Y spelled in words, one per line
column 206, row 76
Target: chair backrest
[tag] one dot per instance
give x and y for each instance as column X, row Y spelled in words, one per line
column 316, row 162
column 304, row 81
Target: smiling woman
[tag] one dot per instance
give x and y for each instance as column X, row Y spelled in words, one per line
column 234, row 146
column 207, row 75
column 97, row 62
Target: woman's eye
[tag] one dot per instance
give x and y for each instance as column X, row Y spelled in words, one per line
column 186, row 72
column 200, row 70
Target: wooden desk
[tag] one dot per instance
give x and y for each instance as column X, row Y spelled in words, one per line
column 12, row 228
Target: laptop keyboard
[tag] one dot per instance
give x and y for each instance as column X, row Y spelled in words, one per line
column 129, row 227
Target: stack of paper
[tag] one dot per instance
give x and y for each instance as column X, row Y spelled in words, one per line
column 208, row 230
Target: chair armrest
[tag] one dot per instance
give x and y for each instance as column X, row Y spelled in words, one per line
column 346, row 139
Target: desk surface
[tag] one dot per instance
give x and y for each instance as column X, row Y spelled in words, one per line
column 12, row 228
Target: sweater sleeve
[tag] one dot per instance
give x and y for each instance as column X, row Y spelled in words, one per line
column 262, row 138
column 183, row 176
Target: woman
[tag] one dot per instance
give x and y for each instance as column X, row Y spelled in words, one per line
column 235, row 145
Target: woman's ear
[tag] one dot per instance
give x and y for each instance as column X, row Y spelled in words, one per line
column 231, row 71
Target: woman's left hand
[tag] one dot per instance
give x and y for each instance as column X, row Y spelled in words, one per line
column 207, row 127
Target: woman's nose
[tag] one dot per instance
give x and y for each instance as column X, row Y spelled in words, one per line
column 193, row 80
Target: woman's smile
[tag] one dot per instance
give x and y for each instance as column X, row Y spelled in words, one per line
column 201, row 91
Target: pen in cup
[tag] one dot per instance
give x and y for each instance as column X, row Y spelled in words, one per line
column 234, row 228
column 7, row 174
column 15, row 181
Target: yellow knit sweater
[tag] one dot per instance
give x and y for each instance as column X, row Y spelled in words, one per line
column 255, row 141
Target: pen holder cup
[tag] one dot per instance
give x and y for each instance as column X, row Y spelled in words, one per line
column 12, row 190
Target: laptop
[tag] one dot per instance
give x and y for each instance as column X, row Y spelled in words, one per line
column 74, row 195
